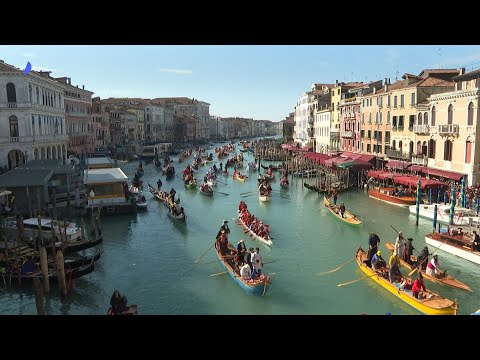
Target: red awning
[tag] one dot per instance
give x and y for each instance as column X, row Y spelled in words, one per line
column 380, row 174
column 437, row 172
column 397, row 164
column 366, row 158
column 411, row 181
column 351, row 155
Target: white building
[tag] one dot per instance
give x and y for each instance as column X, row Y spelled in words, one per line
column 322, row 130
column 32, row 117
column 301, row 116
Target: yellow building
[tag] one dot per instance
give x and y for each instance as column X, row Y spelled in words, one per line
column 389, row 113
column 451, row 123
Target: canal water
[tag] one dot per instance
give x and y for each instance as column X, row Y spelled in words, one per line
column 151, row 259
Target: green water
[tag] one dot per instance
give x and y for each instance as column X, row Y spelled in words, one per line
column 151, row 259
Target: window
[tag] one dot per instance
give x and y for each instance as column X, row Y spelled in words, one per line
column 380, row 119
column 419, row 120
column 370, row 118
column 425, row 118
column 338, row 92
column 447, row 150
column 363, row 118
column 369, row 134
column 394, row 144
column 38, row 95
column 434, row 115
column 450, row 115
column 13, row 126
column 387, row 137
column 400, row 145
column 11, row 93
column 419, row 147
column 411, row 122
column 459, row 86
column 394, row 123
column 388, row 100
column 468, row 152
column 402, row 103
column 388, row 117
column 376, row 118
column 368, row 148
column 412, row 99
column 470, row 115
column 394, row 101
column 30, row 92
column 400, row 123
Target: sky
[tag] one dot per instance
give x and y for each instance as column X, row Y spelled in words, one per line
column 252, row 81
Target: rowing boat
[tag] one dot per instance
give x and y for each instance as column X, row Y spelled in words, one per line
column 434, row 304
column 348, row 218
column 206, row 193
column 254, row 287
column 242, row 179
column 254, row 236
column 448, row 280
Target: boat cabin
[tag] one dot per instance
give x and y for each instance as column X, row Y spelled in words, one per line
column 105, row 187
column 150, row 152
column 99, row 163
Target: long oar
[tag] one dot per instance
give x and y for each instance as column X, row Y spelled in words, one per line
column 419, row 265
column 205, row 252
column 354, row 281
column 220, row 273
column 338, row 268
column 219, row 192
column 245, row 196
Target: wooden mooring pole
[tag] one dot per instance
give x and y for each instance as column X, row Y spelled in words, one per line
column 61, row 273
column 39, row 299
column 44, row 267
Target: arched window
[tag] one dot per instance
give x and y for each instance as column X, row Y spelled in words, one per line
column 40, row 132
column 419, row 119
column 470, row 115
column 425, row 118
column 380, row 118
column 434, row 115
column 42, row 154
column 394, row 144
column 33, row 125
column 30, row 93
column 431, row 149
column 450, row 115
column 468, row 151
column 11, row 93
column 400, row 145
column 35, row 154
column 13, row 126
column 447, row 150
column 38, row 95
column 410, row 148
column 419, row 147
column 424, row 148
column 363, row 118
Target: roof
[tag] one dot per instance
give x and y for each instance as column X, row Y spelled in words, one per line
column 99, row 176
column 429, row 72
column 34, row 221
column 21, row 177
column 99, row 161
column 51, row 163
column 468, row 76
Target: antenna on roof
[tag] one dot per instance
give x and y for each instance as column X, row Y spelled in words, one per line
column 440, row 57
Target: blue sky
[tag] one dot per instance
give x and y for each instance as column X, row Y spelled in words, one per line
column 260, row 82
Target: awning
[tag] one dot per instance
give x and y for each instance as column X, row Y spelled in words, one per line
column 411, row 181
column 351, row 155
column 355, row 162
column 380, row 174
column 397, row 164
column 437, row 172
column 366, row 158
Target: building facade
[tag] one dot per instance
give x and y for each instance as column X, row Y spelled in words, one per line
column 32, row 117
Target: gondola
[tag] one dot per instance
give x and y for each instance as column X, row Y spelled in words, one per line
column 348, row 218
column 254, row 287
column 130, row 310
column 315, row 188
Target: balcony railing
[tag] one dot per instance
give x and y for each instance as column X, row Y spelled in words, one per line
column 448, row 129
column 398, row 154
column 12, row 105
column 334, row 135
column 347, row 134
column 39, row 138
column 419, row 159
column 421, row 129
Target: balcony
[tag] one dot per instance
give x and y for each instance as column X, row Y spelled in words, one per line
column 448, row 129
column 38, row 139
column 419, row 159
column 421, row 129
column 334, row 135
column 398, row 154
column 347, row 134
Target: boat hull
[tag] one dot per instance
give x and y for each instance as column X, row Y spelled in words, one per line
column 426, row 306
column 426, row 212
column 349, row 217
column 382, row 195
column 265, row 198
column 255, row 236
column 457, row 250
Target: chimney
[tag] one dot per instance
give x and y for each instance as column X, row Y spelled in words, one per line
column 83, row 87
column 388, row 81
column 336, row 82
column 374, row 89
column 461, row 71
column 386, row 85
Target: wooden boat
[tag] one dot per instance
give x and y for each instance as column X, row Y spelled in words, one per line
column 206, row 192
column 28, row 273
column 459, row 245
column 266, row 197
column 448, row 280
column 269, row 176
column 160, row 195
column 434, row 305
column 254, row 236
column 240, row 177
column 180, row 217
column 254, row 287
column 284, row 184
column 273, row 168
column 140, row 172
column 191, row 186
column 130, row 310
column 385, row 194
column 348, row 218
column 211, row 182
column 315, row 188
